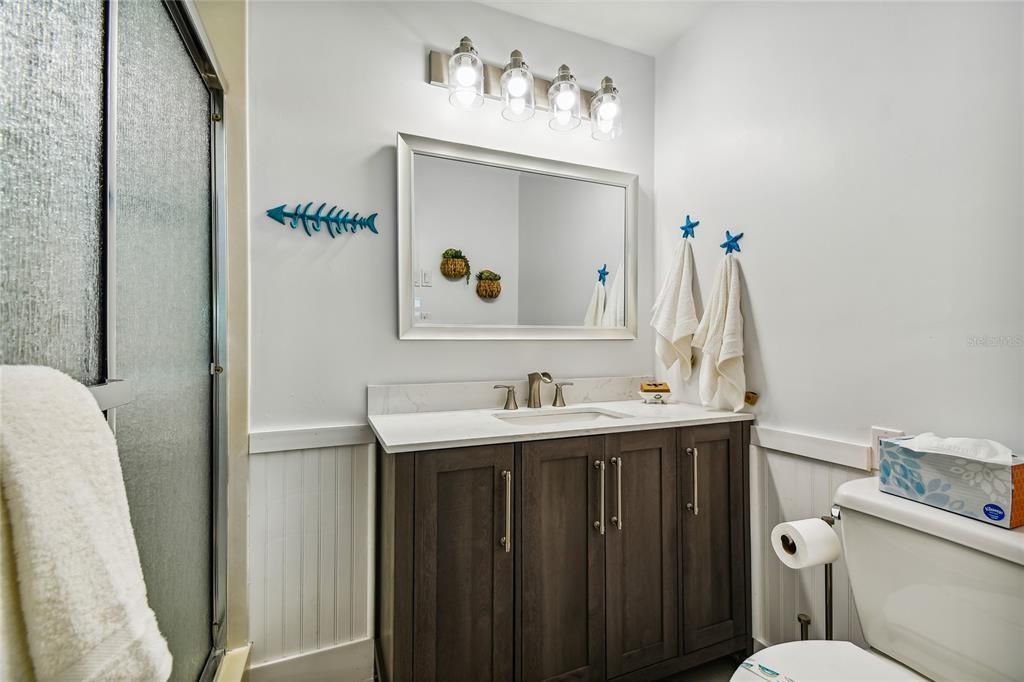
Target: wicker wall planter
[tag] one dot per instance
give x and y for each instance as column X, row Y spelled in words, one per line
column 454, row 265
column 488, row 284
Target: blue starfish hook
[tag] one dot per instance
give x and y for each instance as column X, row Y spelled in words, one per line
column 732, row 242
column 602, row 274
column 688, row 227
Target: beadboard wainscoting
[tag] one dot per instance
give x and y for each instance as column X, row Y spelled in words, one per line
column 310, row 556
column 786, row 487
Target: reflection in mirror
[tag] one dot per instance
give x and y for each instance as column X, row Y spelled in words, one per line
column 546, row 236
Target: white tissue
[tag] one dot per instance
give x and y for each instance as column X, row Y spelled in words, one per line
column 980, row 449
column 805, row 543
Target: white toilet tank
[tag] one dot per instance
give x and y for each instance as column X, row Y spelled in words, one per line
column 938, row 592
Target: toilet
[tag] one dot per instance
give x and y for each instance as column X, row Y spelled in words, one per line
column 940, row 597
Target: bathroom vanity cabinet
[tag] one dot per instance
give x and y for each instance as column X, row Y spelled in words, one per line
column 619, row 556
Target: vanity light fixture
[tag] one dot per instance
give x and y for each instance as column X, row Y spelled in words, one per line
column 466, row 76
column 606, row 111
column 469, row 81
column 517, row 89
column 564, row 100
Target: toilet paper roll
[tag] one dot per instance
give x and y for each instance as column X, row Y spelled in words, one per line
column 804, row 543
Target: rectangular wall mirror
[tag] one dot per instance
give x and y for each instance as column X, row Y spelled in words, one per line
column 550, row 230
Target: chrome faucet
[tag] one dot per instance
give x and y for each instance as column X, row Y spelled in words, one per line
column 535, row 378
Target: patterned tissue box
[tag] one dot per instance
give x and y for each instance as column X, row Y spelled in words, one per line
column 986, row 490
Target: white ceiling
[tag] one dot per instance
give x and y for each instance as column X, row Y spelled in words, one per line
column 641, row 25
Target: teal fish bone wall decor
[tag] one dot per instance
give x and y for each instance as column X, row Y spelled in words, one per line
column 336, row 221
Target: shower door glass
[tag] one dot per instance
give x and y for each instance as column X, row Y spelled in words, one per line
column 51, row 229
column 126, row 294
column 163, row 320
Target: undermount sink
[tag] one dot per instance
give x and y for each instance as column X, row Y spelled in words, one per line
column 558, row 415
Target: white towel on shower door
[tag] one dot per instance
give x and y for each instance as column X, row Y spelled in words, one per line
column 720, row 337
column 83, row 608
column 674, row 315
column 595, row 309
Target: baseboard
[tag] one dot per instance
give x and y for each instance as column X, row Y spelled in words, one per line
column 348, row 662
column 232, row 666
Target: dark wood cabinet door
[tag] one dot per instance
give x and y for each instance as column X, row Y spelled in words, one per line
column 713, row 500
column 464, row 577
column 642, row 545
column 561, row 555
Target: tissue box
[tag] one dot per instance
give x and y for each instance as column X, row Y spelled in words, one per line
column 989, row 491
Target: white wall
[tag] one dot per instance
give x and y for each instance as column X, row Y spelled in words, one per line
column 474, row 208
column 872, row 155
column 568, row 229
column 330, row 86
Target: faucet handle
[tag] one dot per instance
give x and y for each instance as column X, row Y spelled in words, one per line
column 510, row 397
column 559, row 399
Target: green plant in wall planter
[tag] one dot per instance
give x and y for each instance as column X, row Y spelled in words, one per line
column 455, row 265
column 488, row 284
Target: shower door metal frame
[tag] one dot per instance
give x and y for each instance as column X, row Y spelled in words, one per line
column 114, row 392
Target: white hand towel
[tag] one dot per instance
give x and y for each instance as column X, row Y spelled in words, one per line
column 84, row 613
column 720, row 337
column 595, row 309
column 674, row 315
column 615, row 302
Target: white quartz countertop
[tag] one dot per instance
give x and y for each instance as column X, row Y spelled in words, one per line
column 417, row 431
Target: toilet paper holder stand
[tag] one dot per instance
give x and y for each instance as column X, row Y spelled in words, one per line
column 803, row 618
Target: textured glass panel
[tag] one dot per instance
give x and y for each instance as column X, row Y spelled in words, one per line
column 163, row 327
column 51, row 245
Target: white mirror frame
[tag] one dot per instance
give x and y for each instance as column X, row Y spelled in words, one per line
column 410, row 145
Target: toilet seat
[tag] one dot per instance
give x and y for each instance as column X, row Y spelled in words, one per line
column 821, row 661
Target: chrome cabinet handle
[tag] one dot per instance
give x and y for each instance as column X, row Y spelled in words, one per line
column 506, row 541
column 599, row 524
column 617, row 519
column 693, row 506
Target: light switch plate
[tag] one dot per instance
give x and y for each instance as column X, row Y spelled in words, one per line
column 427, row 278
column 416, row 277
column 877, row 434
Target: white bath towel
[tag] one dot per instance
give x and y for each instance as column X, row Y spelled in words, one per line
column 595, row 309
column 615, row 302
column 720, row 337
column 83, row 609
column 674, row 316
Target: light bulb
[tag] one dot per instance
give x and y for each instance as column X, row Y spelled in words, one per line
column 465, row 76
column 517, row 105
column 563, row 116
column 605, row 124
column 465, row 97
column 565, row 100
column 516, row 86
column 608, row 110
